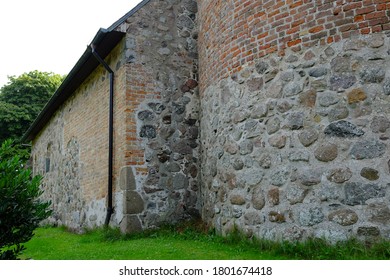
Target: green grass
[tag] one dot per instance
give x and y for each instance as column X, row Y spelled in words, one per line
column 189, row 244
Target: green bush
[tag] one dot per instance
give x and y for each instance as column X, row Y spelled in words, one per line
column 21, row 211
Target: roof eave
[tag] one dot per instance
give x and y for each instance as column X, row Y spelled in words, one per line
column 104, row 42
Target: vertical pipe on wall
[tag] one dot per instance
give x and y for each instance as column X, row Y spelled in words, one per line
column 110, row 209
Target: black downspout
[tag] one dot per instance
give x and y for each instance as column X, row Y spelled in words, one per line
column 110, row 209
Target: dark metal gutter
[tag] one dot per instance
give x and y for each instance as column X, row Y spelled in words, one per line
column 110, row 209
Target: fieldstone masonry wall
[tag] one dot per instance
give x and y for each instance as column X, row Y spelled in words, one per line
column 162, row 115
column 295, row 99
column 284, row 132
column 297, row 146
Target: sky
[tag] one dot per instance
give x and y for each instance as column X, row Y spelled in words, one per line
column 51, row 35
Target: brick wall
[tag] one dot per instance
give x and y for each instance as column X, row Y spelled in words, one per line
column 75, row 143
column 236, row 32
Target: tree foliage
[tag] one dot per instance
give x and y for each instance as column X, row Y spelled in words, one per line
column 21, row 211
column 22, row 99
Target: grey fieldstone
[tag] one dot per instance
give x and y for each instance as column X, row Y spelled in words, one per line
column 251, row 177
column 240, row 116
column 237, row 164
column 295, row 120
column 277, row 141
column 180, row 181
column 231, row 147
column 310, row 216
column 368, row 149
column 340, row 64
column 184, row 21
column 259, row 111
column 269, row 76
column 148, row 131
column 342, row 81
column 310, row 177
column 373, row 74
column 295, row 194
column 379, row 213
column 130, row 224
column 339, row 175
column 380, row 124
column 338, row 113
column 236, row 211
column 287, row 76
column 358, row 193
column 265, row 161
column 386, row 86
column 246, row 147
column 318, row 72
column 258, row 199
column 292, row 58
column 146, row 115
column 255, row 84
column 273, row 125
column 252, row 218
column 344, row 217
column 292, row 88
column 308, row 136
column 127, row 179
column 343, row 129
column 190, row 5
column 134, row 204
column 261, row 67
column 158, row 108
column 326, row 152
column 327, row 98
column 284, row 106
column 280, row 176
column 299, row 156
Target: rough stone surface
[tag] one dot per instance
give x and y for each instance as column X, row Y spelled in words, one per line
column 379, row 213
column 370, row 173
column 380, row 124
column 358, row 193
column 344, row 217
column 326, row 152
column 308, row 137
column 258, row 199
column 339, row 175
column 356, row 95
column 368, row 149
column 343, row 129
column 263, row 136
column 309, row 216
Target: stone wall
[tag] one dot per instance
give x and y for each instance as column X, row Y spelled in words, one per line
column 294, row 128
column 160, row 175
column 156, row 119
column 71, row 152
column 236, row 32
column 297, row 146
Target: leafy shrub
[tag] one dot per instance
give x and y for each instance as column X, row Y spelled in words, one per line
column 21, row 211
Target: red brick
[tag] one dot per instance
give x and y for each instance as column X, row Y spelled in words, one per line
column 365, row 10
column 316, row 29
column 293, row 43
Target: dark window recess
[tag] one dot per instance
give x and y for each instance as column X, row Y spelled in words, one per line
column 47, row 169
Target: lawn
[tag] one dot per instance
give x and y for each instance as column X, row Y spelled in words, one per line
column 171, row 244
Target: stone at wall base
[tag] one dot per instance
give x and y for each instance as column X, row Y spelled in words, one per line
column 130, row 224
